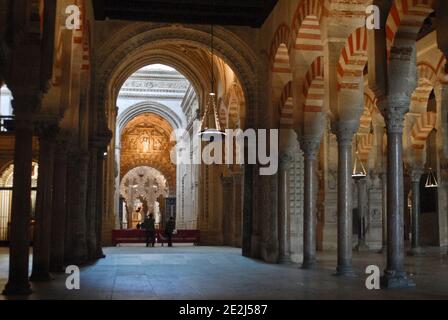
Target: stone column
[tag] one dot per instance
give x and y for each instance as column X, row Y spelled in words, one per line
column 58, row 227
column 284, row 214
column 44, row 203
column 91, row 209
column 395, row 276
column 18, row 283
column 362, row 214
column 310, row 147
column 384, row 213
column 99, row 203
column 76, row 246
column 416, row 174
column 248, row 210
column 345, row 200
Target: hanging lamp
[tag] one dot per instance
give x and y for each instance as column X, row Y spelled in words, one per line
column 359, row 171
column 210, row 134
column 431, row 179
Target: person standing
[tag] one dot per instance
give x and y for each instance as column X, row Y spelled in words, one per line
column 170, row 226
column 149, row 226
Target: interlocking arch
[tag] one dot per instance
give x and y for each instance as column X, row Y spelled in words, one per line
column 405, row 20
column 353, row 60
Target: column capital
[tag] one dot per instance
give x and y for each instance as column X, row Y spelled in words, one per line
column 310, row 146
column 394, row 110
column 416, row 173
column 285, row 159
column 25, row 101
column 345, row 133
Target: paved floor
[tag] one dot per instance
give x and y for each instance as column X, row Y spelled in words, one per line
column 222, row 273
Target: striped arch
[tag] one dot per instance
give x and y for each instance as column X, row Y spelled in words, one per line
column 313, row 87
column 352, row 60
column 306, row 26
column 427, row 79
column 405, row 20
column 365, row 145
column 421, row 129
column 281, row 38
column 366, row 117
column 286, row 106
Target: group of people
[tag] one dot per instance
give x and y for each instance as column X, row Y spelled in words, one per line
column 149, row 226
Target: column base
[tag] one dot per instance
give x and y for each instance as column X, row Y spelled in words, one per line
column 345, row 271
column 17, row 289
column 396, row 280
column 416, row 252
column 309, row 264
column 41, row 277
column 383, row 250
column 285, row 260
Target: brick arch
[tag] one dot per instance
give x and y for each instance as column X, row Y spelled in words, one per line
column 353, row 60
column 365, row 145
column 313, row 86
column 281, row 37
column 405, row 20
column 421, row 129
column 306, row 26
column 427, row 80
column 286, row 107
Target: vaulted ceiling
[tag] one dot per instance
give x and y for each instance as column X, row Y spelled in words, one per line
column 222, row 12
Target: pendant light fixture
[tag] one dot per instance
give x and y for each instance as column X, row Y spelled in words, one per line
column 431, row 179
column 210, row 134
column 359, row 171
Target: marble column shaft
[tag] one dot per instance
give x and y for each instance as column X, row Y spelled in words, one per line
column 395, row 276
column 310, row 149
column 99, row 203
column 91, row 209
column 345, row 201
column 416, row 175
column 248, row 209
column 76, row 245
column 362, row 212
column 18, row 282
column 284, row 215
column 58, row 225
column 44, row 203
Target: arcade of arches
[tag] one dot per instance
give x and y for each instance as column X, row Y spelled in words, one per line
column 96, row 109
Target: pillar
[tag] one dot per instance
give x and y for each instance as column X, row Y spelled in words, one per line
column 362, row 214
column 59, row 210
column 284, row 214
column 99, row 203
column 76, row 245
column 394, row 275
column 44, row 203
column 345, row 201
column 416, row 174
column 248, row 210
column 310, row 147
column 91, row 208
column 18, row 283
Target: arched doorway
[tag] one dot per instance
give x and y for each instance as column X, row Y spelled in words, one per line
column 187, row 51
column 6, row 185
column 143, row 190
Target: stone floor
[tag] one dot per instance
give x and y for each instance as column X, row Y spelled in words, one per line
column 221, row 273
